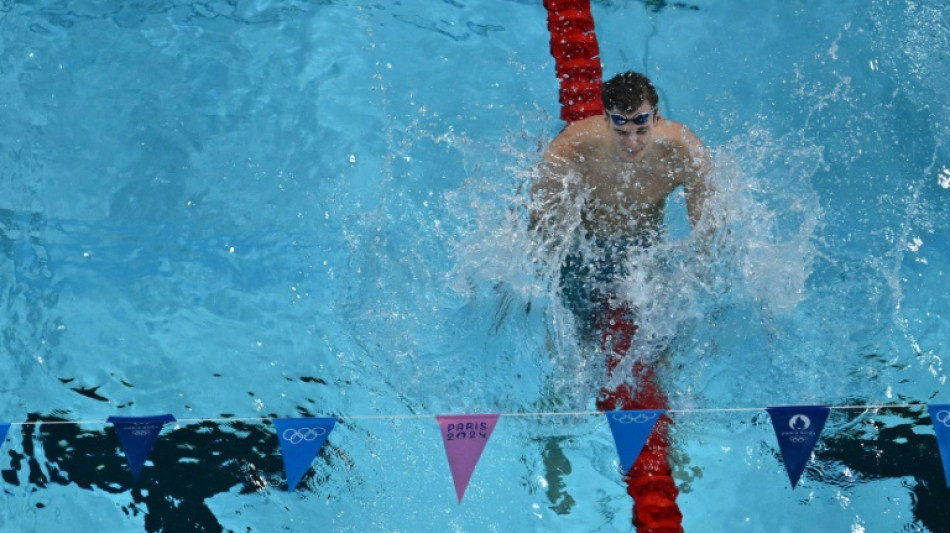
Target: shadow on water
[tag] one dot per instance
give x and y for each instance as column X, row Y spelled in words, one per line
column 190, row 466
column 906, row 451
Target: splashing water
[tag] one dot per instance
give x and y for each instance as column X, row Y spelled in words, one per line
column 762, row 221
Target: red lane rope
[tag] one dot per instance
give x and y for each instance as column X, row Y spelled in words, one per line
column 650, row 480
column 576, row 57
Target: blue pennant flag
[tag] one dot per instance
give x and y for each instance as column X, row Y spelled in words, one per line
column 797, row 428
column 940, row 416
column 4, row 428
column 137, row 435
column 631, row 429
column 300, row 442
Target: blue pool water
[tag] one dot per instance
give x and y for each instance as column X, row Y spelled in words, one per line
column 254, row 209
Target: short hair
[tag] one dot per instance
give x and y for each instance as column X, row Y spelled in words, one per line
column 627, row 91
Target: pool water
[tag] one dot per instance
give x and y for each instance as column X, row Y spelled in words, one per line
column 231, row 211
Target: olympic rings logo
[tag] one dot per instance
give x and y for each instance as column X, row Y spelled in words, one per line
column 798, row 439
column 944, row 418
column 628, row 418
column 296, row 436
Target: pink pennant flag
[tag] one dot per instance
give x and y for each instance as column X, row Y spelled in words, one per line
column 465, row 437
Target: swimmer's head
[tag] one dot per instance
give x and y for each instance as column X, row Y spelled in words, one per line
column 628, row 92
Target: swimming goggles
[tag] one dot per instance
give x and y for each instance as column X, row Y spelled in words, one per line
column 639, row 120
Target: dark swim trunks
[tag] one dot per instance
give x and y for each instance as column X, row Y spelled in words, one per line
column 591, row 274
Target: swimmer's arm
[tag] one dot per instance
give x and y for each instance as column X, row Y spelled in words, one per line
column 695, row 178
column 551, row 188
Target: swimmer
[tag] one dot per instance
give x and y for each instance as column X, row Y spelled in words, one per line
column 629, row 160
column 622, row 166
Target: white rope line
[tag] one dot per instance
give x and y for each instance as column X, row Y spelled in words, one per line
column 519, row 415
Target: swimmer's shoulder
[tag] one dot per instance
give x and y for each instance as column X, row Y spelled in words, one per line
column 582, row 138
column 683, row 142
column 672, row 131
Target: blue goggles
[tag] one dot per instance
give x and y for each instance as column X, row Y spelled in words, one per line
column 639, row 120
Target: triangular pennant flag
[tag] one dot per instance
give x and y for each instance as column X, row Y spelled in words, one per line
column 300, row 442
column 631, row 429
column 940, row 416
column 797, row 428
column 4, row 428
column 465, row 437
column 137, row 435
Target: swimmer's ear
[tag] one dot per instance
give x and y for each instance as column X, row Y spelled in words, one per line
column 656, row 114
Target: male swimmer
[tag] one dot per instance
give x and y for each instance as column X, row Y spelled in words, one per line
column 621, row 166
